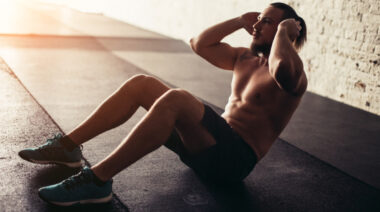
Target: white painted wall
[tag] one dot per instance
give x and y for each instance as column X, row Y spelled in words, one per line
column 186, row 18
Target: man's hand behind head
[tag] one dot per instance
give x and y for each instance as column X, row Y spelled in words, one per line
column 292, row 28
column 248, row 20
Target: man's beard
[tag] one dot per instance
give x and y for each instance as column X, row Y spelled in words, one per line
column 260, row 49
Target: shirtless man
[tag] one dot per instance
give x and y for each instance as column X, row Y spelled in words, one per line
column 268, row 83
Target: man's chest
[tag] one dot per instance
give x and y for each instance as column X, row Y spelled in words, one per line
column 254, row 84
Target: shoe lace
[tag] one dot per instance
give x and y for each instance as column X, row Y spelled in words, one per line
column 77, row 180
column 49, row 142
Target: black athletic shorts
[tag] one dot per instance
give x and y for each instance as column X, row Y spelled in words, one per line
column 231, row 159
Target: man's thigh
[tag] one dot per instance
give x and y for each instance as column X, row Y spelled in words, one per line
column 194, row 135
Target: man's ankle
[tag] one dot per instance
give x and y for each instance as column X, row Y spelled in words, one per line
column 97, row 180
column 67, row 143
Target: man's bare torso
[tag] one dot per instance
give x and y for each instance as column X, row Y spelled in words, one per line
column 258, row 109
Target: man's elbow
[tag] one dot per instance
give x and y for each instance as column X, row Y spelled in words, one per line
column 197, row 46
column 194, row 45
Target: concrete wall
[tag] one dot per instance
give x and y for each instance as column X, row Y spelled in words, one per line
column 341, row 57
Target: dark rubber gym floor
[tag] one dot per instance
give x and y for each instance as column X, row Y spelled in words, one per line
column 54, row 72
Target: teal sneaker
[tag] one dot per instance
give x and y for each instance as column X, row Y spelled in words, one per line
column 53, row 152
column 77, row 189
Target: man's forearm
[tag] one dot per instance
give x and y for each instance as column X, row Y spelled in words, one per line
column 283, row 54
column 215, row 34
column 285, row 65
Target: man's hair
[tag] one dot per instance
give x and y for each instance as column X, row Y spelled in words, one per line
column 290, row 13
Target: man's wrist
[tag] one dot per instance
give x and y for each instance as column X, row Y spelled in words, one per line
column 282, row 32
column 281, row 28
column 240, row 21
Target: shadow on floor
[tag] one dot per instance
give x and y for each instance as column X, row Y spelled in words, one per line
column 233, row 197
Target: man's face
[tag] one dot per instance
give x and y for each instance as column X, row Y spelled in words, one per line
column 265, row 29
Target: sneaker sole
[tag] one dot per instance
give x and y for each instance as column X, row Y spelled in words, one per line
column 87, row 201
column 71, row 164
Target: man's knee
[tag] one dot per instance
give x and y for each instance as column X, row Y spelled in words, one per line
column 143, row 89
column 142, row 84
column 171, row 100
column 180, row 103
column 135, row 81
column 176, row 97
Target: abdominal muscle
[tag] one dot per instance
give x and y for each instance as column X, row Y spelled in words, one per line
column 258, row 110
column 252, row 125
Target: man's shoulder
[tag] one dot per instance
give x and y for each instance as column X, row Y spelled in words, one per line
column 244, row 53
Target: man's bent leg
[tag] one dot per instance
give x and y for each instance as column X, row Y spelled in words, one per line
column 138, row 91
column 174, row 108
column 93, row 185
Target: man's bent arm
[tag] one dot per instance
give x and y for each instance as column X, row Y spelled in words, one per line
column 209, row 46
column 285, row 65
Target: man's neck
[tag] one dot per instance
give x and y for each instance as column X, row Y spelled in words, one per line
column 261, row 54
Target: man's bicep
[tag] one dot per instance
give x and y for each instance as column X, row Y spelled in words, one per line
column 221, row 55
